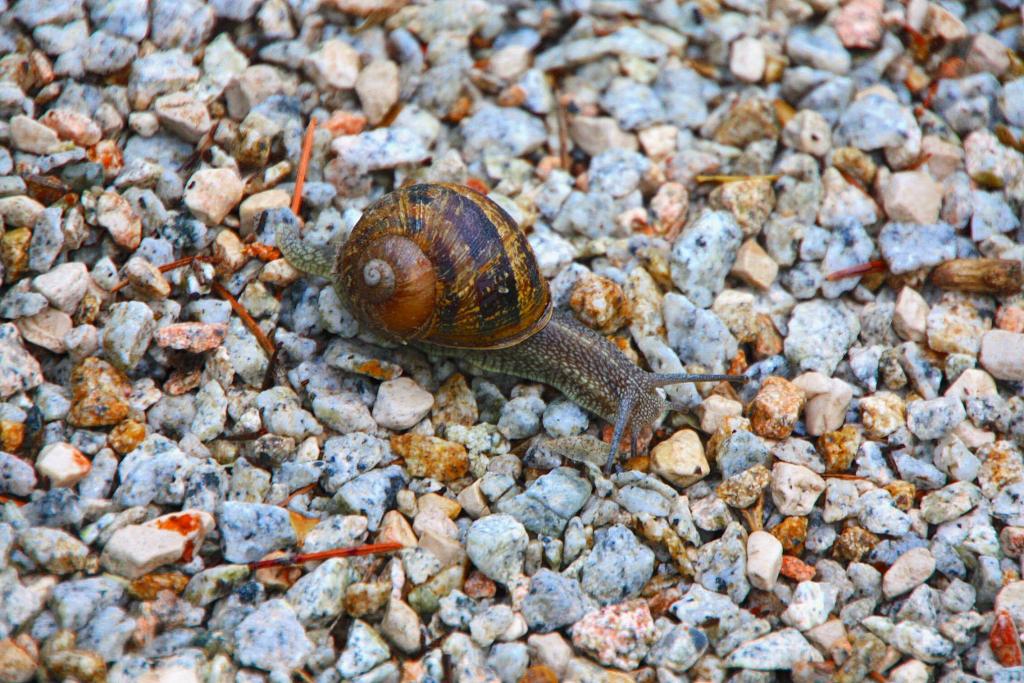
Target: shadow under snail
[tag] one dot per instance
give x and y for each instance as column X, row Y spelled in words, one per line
column 445, row 269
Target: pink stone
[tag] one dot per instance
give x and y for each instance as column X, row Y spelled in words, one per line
column 859, row 23
column 194, row 337
column 618, row 635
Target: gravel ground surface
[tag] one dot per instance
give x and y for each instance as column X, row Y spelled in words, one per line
column 179, row 401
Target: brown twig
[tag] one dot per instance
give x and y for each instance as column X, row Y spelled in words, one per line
column 563, row 131
column 300, row 173
column 772, row 177
column 859, row 269
column 299, row 558
column 247, row 319
column 173, row 265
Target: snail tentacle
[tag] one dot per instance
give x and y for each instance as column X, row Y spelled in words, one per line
column 664, row 380
column 622, row 420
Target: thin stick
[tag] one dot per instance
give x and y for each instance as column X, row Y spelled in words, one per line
column 563, row 131
column 247, row 319
column 300, row 174
column 299, row 558
column 859, row 269
column 177, row 263
column 734, row 178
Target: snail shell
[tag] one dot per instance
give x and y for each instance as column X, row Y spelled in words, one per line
column 444, row 265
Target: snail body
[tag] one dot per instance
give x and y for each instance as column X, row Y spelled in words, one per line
column 445, row 269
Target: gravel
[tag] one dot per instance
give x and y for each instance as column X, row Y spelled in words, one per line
column 854, row 511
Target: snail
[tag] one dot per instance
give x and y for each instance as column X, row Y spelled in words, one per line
column 445, row 269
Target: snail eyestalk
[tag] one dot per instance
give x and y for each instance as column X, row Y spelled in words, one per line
column 683, row 378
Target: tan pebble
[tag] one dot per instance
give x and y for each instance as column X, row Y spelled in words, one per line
column 135, row 550
column 473, row 501
column 599, row 303
column 448, row 507
column 882, row 414
column 229, row 251
column 17, row 663
column 715, row 409
column 680, row 459
column 378, row 88
column 839, row 448
column 72, row 125
column 943, row 157
column 859, row 24
column 183, row 115
column 252, row 86
column 211, row 194
column 659, row 142
column 913, row 197
column 63, row 464
column 14, row 251
column 826, row 412
column 32, row 136
column 99, row 394
column 775, row 410
column 364, row 8
column 751, row 202
column 987, row 54
column 279, row 273
column 395, row 528
column 754, row 266
column 430, row 456
column 910, row 317
column 20, row 211
column 146, row 279
column 251, row 208
column 126, row 436
column 972, row 383
column 1002, row 354
column 46, row 329
column 334, row 66
column 749, row 120
column 747, row 60
column 941, row 23
column 448, row 550
column 114, row 213
column 595, row 134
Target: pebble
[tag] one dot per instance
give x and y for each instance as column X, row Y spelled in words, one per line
column 250, row 531
column 703, row 255
column 99, row 394
column 764, row 560
column 335, row 65
column 549, row 502
column 795, row 489
column 820, row 333
column 127, row 334
column 907, row 247
column 211, row 193
column 17, row 477
column 1000, row 354
column 401, row 403
column 618, row 635
column 496, row 545
column 935, row 418
column 114, row 213
column 617, row 567
column 553, row 601
column 62, row 464
column 776, row 408
column 271, row 638
column 778, row 651
column 910, row 570
column 680, row 459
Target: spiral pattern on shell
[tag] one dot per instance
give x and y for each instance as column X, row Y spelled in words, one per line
column 444, row 265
